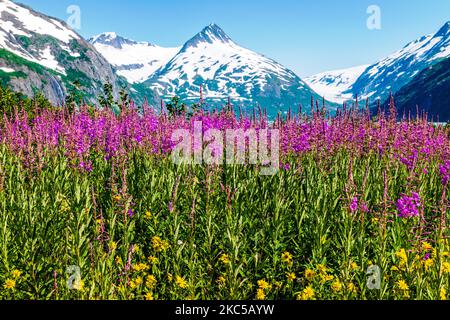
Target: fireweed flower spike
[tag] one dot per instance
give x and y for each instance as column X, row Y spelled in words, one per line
column 354, row 205
column 408, row 206
column 445, row 172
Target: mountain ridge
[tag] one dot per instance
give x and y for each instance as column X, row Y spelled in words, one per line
column 135, row 61
column 395, row 71
column 390, row 74
column 45, row 55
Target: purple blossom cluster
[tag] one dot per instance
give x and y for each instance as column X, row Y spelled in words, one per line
column 445, row 172
column 358, row 205
column 408, row 206
column 83, row 133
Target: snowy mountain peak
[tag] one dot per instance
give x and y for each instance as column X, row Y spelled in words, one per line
column 444, row 31
column 210, row 34
column 111, row 39
column 136, row 61
column 222, row 69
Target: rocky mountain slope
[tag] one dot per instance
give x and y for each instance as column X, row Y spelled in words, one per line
column 429, row 91
column 40, row 53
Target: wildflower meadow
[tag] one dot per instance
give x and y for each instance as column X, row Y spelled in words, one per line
column 93, row 206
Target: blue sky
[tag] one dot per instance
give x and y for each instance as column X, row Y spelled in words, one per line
column 308, row 36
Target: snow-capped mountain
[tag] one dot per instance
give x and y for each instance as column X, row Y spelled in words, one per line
column 398, row 69
column 136, row 61
column 38, row 52
column 335, row 85
column 211, row 59
column 388, row 75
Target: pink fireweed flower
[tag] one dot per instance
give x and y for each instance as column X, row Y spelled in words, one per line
column 445, row 172
column 356, row 205
column 408, row 206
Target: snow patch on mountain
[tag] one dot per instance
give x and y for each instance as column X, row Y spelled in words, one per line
column 31, row 21
column 20, row 21
column 136, row 61
column 7, row 70
column 333, row 84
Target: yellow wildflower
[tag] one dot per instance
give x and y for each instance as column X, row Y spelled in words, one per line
column 260, row 295
column 394, row 268
column 221, row 281
column 160, row 245
column 148, row 215
column 113, row 245
column 181, row 282
column 322, row 268
column 151, row 282
column 336, row 286
column 446, row 267
column 326, row 277
column 309, row 274
column 402, row 285
column 291, row 276
column 278, row 284
column 401, row 255
column 443, row 294
column 119, row 260
column 354, row 266
column 286, row 257
column 118, row 198
column 16, row 273
column 140, row 267
column 307, row 294
column 78, row 285
column 263, row 284
column 138, row 281
column 427, row 246
column 224, row 259
column 149, row 296
column 153, row 260
column 428, row 264
column 9, row 284
column 351, row 287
